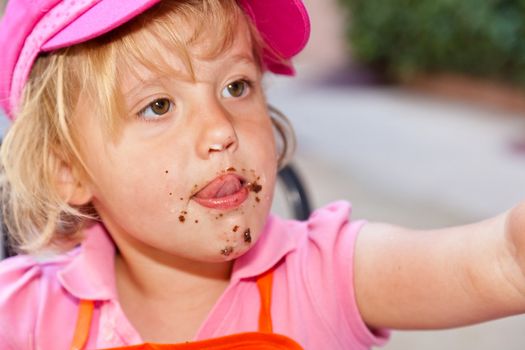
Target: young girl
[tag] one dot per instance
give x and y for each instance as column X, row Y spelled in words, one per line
column 138, row 176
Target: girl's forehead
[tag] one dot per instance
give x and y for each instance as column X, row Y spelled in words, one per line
column 135, row 78
column 194, row 52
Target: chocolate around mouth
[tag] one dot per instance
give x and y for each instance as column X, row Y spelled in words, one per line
column 221, row 186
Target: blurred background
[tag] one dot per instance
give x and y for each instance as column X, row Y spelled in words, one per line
column 414, row 111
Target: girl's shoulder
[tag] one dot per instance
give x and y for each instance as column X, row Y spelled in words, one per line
column 23, row 272
column 333, row 216
column 28, row 287
column 19, row 276
column 325, row 224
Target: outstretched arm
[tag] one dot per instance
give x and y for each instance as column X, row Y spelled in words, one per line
column 408, row 279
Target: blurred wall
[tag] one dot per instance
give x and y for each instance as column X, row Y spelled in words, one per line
column 326, row 49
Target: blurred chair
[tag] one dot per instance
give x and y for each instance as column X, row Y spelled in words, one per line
column 6, row 249
column 294, row 192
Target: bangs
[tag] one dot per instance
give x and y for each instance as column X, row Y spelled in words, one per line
column 170, row 28
column 176, row 26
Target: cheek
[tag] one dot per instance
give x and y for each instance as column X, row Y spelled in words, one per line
column 136, row 183
column 260, row 140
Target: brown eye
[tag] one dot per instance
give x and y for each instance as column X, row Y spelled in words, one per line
column 236, row 89
column 160, row 106
column 157, row 108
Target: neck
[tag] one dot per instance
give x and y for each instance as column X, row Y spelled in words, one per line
column 167, row 298
column 163, row 277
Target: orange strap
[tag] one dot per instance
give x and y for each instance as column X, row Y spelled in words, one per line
column 264, row 282
column 263, row 340
column 85, row 314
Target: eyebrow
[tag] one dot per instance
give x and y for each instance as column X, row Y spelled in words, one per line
column 152, row 80
column 243, row 57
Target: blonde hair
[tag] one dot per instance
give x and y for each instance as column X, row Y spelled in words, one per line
column 44, row 138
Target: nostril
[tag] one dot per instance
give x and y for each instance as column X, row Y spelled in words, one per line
column 229, row 144
column 216, row 148
column 220, row 147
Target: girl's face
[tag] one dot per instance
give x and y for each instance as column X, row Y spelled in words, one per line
column 193, row 171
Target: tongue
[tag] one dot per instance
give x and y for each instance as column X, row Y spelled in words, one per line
column 222, row 186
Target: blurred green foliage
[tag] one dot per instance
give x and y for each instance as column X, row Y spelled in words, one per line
column 475, row 37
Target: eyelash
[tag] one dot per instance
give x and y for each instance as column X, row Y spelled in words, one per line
column 141, row 113
column 249, row 86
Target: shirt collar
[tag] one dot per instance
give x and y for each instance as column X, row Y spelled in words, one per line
column 273, row 245
column 91, row 273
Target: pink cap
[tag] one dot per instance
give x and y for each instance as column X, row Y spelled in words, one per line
column 29, row 27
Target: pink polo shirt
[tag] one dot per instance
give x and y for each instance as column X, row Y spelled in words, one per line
column 313, row 296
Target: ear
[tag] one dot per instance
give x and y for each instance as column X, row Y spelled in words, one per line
column 72, row 189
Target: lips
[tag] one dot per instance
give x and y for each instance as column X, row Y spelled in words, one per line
column 224, row 192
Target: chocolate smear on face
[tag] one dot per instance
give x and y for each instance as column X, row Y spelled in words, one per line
column 231, row 169
column 227, row 251
column 182, row 218
column 257, row 199
column 255, row 187
column 247, row 236
column 235, row 228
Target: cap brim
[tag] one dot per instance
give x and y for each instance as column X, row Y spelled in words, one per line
column 97, row 20
column 287, row 29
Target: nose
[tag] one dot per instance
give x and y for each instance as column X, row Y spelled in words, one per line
column 217, row 132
